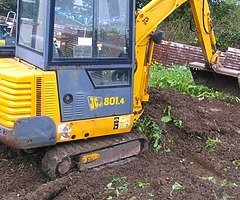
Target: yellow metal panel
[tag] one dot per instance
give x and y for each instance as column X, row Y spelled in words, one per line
column 17, row 91
column 2, row 42
column 89, row 128
column 203, row 22
column 26, row 91
column 6, row 123
column 5, row 95
column 147, row 20
column 50, row 97
column 14, row 104
column 149, row 17
column 21, row 110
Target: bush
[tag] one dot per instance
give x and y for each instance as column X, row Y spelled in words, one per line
column 225, row 15
column 7, row 5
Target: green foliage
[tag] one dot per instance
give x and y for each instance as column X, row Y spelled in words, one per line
column 178, row 123
column 227, row 30
column 169, row 118
column 180, row 79
column 151, row 129
column 118, row 185
column 168, row 115
column 225, row 15
column 223, row 183
column 211, row 143
column 7, row 5
column 176, row 186
column 141, row 184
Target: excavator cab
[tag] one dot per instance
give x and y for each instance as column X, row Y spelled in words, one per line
column 76, row 33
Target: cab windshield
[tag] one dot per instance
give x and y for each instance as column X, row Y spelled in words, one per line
column 91, row 29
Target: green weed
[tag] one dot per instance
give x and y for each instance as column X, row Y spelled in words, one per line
column 141, row 184
column 224, row 198
column 168, row 115
column 211, row 144
column 118, row 185
column 210, row 179
column 169, row 118
column 227, row 183
column 223, row 183
column 150, row 194
column 178, row 123
column 176, row 186
column 151, row 129
column 166, row 149
column 180, row 79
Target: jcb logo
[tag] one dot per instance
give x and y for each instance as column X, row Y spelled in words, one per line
column 145, row 20
column 95, row 102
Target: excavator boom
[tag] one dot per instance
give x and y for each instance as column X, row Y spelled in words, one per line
column 147, row 21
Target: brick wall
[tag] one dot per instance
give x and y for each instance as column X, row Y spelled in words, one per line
column 172, row 53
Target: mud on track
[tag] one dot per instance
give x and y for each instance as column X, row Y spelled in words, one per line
column 202, row 174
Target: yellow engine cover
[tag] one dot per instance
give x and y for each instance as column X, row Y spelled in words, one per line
column 23, row 88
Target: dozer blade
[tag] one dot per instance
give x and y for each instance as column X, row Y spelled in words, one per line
column 220, row 78
column 92, row 153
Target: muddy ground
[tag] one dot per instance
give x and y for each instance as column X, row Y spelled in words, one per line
column 183, row 169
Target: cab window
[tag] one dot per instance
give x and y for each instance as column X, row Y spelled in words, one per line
column 91, row 29
column 31, row 30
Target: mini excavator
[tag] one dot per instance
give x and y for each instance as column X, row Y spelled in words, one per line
column 79, row 78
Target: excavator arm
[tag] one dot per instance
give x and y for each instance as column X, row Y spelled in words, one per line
column 148, row 19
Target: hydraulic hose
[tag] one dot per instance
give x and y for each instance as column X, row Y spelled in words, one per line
column 203, row 19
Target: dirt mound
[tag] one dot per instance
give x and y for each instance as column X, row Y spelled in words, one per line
column 185, row 168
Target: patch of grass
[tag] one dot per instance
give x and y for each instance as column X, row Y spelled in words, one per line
column 223, row 183
column 180, row 79
column 151, row 129
column 141, row 184
column 227, row 183
column 118, row 185
column 210, row 179
column 211, row 143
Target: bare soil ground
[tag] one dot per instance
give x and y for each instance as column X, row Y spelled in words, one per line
column 203, row 174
